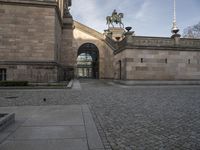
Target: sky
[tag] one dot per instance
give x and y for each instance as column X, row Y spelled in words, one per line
column 146, row 17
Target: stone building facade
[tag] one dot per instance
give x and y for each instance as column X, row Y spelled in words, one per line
column 40, row 42
column 152, row 58
column 31, row 37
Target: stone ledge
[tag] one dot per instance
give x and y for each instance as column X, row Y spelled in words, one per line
column 158, row 43
column 28, row 63
column 70, row 84
column 158, row 82
column 6, row 120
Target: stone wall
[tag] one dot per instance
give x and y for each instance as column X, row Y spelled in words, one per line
column 67, row 54
column 157, row 58
column 26, row 33
column 82, row 35
column 141, row 64
column 32, row 72
column 58, row 38
column 30, row 35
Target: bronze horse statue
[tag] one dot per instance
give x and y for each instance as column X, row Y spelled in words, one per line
column 115, row 18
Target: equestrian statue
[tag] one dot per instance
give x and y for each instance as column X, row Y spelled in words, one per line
column 115, row 18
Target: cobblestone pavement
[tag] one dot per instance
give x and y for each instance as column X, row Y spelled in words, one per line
column 137, row 117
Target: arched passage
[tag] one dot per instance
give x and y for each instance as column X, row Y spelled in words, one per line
column 88, row 61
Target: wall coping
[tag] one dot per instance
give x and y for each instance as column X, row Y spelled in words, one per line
column 157, row 43
column 93, row 33
column 88, row 30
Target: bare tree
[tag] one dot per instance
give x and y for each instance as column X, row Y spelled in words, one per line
column 192, row 31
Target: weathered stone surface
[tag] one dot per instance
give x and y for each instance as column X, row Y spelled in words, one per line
column 83, row 34
column 30, row 34
column 129, row 117
column 54, row 127
column 27, row 33
column 37, row 31
column 161, row 65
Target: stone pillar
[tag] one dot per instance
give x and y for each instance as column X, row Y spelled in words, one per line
column 117, row 33
column 108, row 33
column 129, row 35
column 68, row 56
column 176, row 38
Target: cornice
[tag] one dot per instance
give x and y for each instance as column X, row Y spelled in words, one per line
column 42, row 3
column 163, row 48
column 28, row 63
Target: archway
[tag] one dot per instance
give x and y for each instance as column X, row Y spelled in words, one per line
column 88, row 61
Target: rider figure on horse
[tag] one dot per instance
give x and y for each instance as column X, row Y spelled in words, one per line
column 114, row 15
column 115, row 18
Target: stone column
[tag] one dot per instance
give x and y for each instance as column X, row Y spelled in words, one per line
column 68, row 56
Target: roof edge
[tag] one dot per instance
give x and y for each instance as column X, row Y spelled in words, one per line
column 88, row 30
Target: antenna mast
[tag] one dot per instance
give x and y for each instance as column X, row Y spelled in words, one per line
column 174, row 28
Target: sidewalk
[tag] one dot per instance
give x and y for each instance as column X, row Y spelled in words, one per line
column 51, row 128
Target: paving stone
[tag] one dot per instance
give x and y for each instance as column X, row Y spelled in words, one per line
column 129, row 117
column 54, row 132
column 69, row 144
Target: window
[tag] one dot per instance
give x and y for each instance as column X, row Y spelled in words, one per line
column 2, row 74
column 188, row 61
column 142, row 60
column 166, row 60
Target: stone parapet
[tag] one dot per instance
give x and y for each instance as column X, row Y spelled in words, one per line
column 163, row 42
column 158, row 43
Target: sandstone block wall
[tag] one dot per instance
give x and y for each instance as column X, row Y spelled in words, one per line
column 39, row 72
column 58, row 39
column 82, row 35
column 30, row 33
column 138, row 64
column 68, row 56
column 27, row 33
